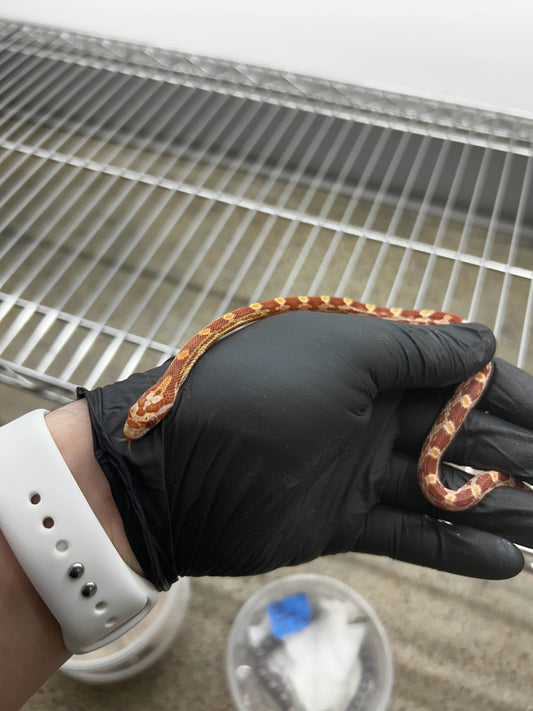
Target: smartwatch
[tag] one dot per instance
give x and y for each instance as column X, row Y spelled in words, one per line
column 60, row 544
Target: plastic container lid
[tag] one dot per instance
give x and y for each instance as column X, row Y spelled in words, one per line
column 140, row 647
column 308, row 643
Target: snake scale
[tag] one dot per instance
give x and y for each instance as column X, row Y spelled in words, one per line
column 155, row 403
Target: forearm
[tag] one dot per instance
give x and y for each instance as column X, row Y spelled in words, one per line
column 31, row 646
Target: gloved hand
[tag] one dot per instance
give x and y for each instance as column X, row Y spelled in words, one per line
column 298, row 436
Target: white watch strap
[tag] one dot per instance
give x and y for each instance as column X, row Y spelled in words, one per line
column 60, row 543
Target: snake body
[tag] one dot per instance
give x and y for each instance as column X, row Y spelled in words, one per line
column 156, row 402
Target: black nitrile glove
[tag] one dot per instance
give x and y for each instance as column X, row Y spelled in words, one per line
column 298, row 436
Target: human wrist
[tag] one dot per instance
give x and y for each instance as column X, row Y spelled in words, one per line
column 70, row 428
column 32, row 643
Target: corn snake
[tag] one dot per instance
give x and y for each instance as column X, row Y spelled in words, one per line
column 156, row 402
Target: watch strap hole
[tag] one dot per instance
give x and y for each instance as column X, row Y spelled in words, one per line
column 48, row 522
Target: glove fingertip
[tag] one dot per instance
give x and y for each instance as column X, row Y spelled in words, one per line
column 486, row 346
column 425, row 541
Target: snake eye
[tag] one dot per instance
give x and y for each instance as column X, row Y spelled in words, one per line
column 152, row 422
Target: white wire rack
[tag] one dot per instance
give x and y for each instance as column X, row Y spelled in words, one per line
column 144, row 192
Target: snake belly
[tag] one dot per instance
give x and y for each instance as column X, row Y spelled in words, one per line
column 158, row 400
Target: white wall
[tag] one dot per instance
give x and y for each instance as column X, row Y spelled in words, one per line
column 472, row 51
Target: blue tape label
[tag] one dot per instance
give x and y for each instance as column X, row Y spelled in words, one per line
column 289, row 615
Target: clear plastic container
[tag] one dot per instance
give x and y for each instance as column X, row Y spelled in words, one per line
column 308, row 643
column 140, row 647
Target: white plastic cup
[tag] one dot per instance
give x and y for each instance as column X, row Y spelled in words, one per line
column 137, row 649
column 256, row 684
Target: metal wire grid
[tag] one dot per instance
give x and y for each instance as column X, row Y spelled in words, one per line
column 143, row 193
column 269, row 86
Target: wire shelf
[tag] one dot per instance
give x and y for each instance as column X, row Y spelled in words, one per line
column 144, row 192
